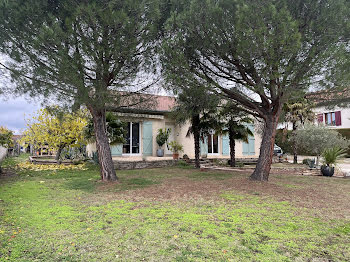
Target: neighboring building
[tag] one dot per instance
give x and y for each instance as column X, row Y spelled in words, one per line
column 146, row 119
column 335, row 117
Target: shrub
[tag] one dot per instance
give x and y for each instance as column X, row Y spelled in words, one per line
column 162, row 136
column 332, row 155
column 175, row 147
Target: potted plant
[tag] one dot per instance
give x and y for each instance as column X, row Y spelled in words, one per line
column 176, row 148
column 331, row 156
column 162, row 138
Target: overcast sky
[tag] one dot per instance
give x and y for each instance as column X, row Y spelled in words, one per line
column 13, row 111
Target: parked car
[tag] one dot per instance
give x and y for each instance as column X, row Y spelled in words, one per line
column 277, row 151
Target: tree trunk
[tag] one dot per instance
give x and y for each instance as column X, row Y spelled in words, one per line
column 295, row 153
column 232, row 148
column 262, row 170
column 58, row 153
column 196, row 134
column 107, row 170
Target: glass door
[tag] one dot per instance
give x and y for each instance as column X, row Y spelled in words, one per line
column 132, row 139
column 213, row 144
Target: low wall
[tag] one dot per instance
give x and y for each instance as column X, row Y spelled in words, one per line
column 127, row 165
column 3, row 153
column 44, row 161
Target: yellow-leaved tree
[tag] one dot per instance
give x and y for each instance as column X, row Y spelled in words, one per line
column 56, row 128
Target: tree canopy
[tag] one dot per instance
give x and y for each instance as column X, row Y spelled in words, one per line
column 56, row 129
column 6, row 137
column 259, row 53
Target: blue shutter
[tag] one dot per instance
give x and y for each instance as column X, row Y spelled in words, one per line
column 245, row 149
column 204, row 146
column 251, row 141
column 249, row 148
column 225, row 145
column 117, row 150
column 147, row 138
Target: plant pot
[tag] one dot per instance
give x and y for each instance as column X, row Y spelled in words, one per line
column 160, row 152
column 175, row 155
column 327, row 171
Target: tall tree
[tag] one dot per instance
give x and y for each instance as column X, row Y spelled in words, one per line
column 258, row 53
column 116, row 129
column 231, row 120
column 194, row 104
column 297, row 112
column 81, row 52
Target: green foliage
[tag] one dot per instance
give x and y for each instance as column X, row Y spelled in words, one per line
column 87, row 48
column 162, row 136
column 332, row 155
column 194, row 104
column 232, row 120
column 116, row 129
column 6, row 137
column 315, row 139
column 183, row 164
column 175, row 147
column 283, row 140
column 297, row 111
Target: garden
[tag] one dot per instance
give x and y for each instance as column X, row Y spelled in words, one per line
column 63, row 212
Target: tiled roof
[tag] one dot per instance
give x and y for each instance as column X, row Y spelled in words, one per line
column 146, row 102
column 324, row 97
column 164, row 103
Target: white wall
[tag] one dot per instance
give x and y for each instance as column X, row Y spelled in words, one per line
column 3, row 153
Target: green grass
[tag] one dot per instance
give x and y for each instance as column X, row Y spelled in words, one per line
column 71, row 216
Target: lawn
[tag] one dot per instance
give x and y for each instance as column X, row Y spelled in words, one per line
column 171, row 214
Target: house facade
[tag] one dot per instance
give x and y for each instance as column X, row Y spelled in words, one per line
column 335, row 118
column 143, row 124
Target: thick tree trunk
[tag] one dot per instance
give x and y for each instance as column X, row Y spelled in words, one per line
column 196, row 134
column 232, row 148
column 107, row 170
column 262, row 170
column 58, row 153
column 295, row 153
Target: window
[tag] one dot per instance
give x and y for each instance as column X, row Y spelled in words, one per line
column 213, row 144
column 333, row 118
column 330, row 119
column 132, row 139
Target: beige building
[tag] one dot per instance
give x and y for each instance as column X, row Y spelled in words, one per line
column 143, row 126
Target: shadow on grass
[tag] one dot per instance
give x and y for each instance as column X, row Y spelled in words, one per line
column 135, row 183
column 211, row 175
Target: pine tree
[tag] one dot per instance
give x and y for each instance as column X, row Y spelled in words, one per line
column 80, row 52
column 259, row 53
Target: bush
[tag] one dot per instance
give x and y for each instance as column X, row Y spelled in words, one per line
column 183, row 164
column 315, row 139
column 309, row 162
column 283, row 141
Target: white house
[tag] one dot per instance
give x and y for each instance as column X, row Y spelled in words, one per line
column 335, row 117
column 145, row 121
